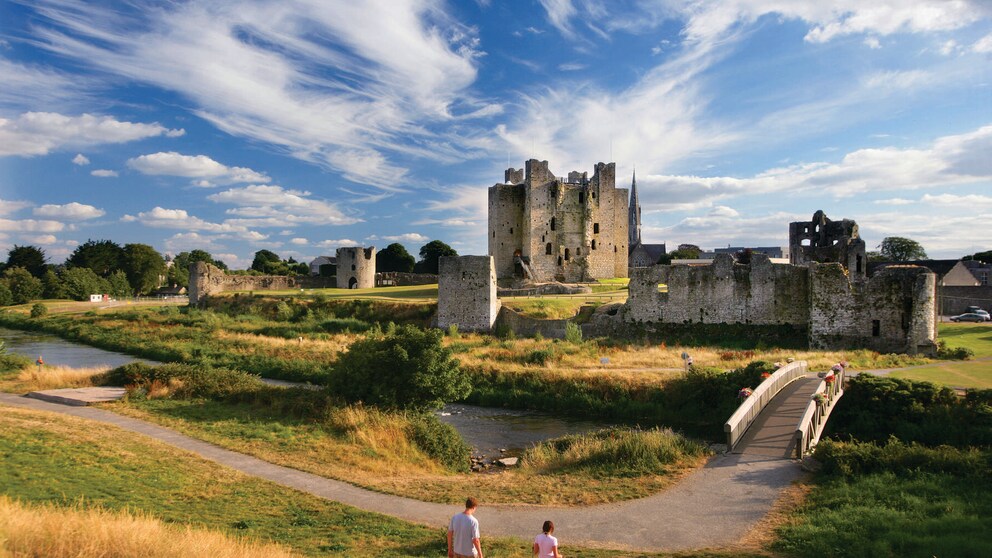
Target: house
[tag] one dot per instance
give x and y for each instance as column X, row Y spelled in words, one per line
column 980, row 270
column 319, row 261
column 645, row 255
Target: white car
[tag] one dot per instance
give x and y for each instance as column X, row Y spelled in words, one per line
column 979, row 311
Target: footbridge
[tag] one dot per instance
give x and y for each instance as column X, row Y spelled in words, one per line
column 785, row 415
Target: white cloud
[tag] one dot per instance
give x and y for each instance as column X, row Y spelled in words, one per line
column 407, row 237
column 184, row 242
column 571, row 67
column 895, row 201
column 104, row 173
column 194, row 166
column 73, row 211
column 8, row 207
column 319, row 78
column 30, row 87
column 38, row 133
column 274, row 206
column 344, row 242
column 300, row 241
column 872, row 43
column 80, row 159
column 160, row 217
column 41, row 239
column 30, row 225
column 983, row 45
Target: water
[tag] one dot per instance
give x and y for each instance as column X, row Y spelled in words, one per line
column 490, row 430
column 59, row 352
column 485, row 429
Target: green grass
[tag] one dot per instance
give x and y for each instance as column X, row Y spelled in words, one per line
column 66, row 461
column 977, row 337
column 964, row 374
column 420, row 293
column 894, row 500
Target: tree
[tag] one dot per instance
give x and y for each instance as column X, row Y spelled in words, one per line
column 6, row 298
column 102, row 256
column 81, row 282
column 408, row 369
column 118, row 285
column 984, row 257
column 23, row 286
column 144, row 267
column 179, row 270
column 28, row 257
column 430, row 254
column 265, row 260
column 52, row 285
column 899, row 249
column 394, row 258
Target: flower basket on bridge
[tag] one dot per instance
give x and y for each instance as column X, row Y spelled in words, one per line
column 820, row 398
column 744, row 393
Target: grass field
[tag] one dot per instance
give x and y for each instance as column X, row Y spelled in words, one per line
column 965, row 374
column 411, row 293
column 72, row 463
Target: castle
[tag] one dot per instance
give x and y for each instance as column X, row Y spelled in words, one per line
column 548, row 228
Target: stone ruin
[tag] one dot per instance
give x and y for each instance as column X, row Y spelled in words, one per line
column 356, row 267
column 206, row 279
column 547, row 228
column 824, row 241
column 467, row 293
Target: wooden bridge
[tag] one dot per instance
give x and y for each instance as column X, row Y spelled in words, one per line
column 784, row 417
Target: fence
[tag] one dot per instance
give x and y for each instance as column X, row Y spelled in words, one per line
column 810, row 427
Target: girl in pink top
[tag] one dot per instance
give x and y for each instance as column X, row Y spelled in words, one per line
column 546, row 546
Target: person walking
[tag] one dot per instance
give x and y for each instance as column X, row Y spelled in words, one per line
column 463, row 533
column 545, row 545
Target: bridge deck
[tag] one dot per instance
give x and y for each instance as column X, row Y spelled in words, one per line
column 773, row 432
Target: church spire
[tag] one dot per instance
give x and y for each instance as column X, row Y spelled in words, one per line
column 634, row 215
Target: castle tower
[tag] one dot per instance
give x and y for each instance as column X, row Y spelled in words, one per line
column 356, row 267
column 634, row 215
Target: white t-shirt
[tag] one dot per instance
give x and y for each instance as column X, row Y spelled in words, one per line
column 546, row 545
column 464, row 528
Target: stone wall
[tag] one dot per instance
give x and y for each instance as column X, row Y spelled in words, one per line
column 400, row 279
column 356, row 267
column 565, row 229
column 206, row 279
column 894, row 311
column 722, row 293
column 528, row 327
column 466, row 294
column 955, row 300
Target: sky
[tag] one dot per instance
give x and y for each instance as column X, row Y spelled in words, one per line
column 301, row 126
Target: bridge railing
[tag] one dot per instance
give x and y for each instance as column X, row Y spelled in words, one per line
column 810, row 427
column 749, row 409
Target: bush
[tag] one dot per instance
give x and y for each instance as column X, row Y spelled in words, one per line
column 615, row 452
column 23, row 286
column 862, row 458
column 874, row 408
column 573, row 333
column 409, row 369
column 11, row 362
column 6, row 297
column 345, row 325
column 185, row 380
column 440, row 441
column 953, row 353
column 38, row 310
column 542, row 356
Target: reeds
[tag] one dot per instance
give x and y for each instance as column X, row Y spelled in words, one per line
column 34, row 378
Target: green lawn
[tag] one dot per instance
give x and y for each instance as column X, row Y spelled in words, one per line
column 977, row 337
column 966, row 374
column 411, row 293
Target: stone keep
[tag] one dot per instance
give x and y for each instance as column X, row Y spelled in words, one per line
column 821, row 240
column 548, row 228
column 356, row 267
column 466, row 293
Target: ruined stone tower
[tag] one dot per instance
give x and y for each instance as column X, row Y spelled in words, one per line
column 545, row 228
column 634, row 215
column 356, row 267
column 824, row 241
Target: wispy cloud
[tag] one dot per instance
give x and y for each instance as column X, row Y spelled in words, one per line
column 38, row 133
column 274, row 206
column 104, row 173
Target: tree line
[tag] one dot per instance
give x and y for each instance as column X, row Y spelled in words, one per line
column 891, row 249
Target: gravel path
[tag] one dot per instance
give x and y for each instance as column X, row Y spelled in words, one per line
column 711, row 507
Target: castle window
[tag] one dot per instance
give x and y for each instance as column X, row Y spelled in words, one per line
column 559, row 260
column 511, row 230
column 614, row 249
column 494, row 234
column 353, row 267
column 593, row 244
column 858, row 269
column 592, row 194
column 595, row 228
column 552, row 223
column 876, row 328
column 582, row 197
column 547, row 249
column 566, row 254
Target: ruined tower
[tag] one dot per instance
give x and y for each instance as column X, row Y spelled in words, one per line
column 545, row 228
column 356, row 267
column 824, row 241
column 634, row 215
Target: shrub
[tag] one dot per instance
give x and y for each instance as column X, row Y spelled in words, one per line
column 6, row 297
column 542, row 356
column 440, row 441
column 345, row 325
column 453, row 331
column 953, row 353
column 409, row 369
column 38, row 310
column 573, row 333
column 185, row 380
column 615, row 452
column 10, row 362
column 861, row 458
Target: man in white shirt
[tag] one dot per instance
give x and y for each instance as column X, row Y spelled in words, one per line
column 463, row 533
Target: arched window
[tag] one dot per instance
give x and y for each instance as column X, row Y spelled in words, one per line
column 595, row 228
column 593, row 244
column 559, row 260
column 547, row 249
column 582, row 197
column 566, row 254
column 578, row 251
column 552, row 223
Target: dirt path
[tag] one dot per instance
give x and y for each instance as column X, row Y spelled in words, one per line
column 713, row 506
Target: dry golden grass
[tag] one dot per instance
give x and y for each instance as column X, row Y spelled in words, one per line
column 27, row 531
column 312, row 349
column 51, row 377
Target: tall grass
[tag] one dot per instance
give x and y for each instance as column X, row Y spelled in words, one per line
column 615, row 452
column 72, row 533
column 53, row 377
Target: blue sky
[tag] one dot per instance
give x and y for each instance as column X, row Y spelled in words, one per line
column 301, row 126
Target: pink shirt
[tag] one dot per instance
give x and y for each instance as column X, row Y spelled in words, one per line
column 546, row 544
